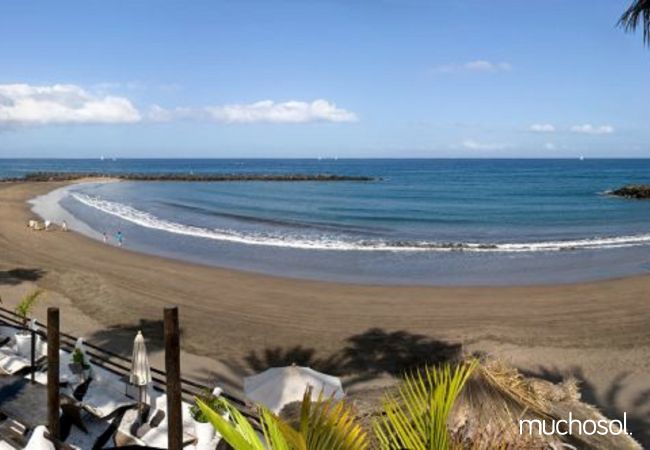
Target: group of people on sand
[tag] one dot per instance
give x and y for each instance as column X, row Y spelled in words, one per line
column 119, row 237
column 46, row 225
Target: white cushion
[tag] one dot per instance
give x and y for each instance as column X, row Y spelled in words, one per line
column 38, row 441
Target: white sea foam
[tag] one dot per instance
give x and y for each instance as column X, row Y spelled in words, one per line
column 147, row 220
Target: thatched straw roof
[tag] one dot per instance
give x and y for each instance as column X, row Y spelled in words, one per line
column 487, row 414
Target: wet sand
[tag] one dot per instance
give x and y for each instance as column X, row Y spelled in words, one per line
column 235, row 323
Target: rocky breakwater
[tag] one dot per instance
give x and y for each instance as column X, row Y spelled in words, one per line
column 195, row 177
column 635, row 191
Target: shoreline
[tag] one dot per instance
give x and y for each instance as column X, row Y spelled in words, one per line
column 460, row 264
column 234, row 323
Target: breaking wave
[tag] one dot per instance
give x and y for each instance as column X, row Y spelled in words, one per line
column 147, row 220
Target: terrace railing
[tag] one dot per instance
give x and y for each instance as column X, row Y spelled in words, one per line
column 121, row 365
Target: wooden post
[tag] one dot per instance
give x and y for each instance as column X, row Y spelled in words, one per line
column 53, row 401
column 33, row 358
column 173, row 369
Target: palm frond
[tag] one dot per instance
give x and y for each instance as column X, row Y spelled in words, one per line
column 637, row 14
column 416, row 417
column 277, row 433
column 27, row 303
column 324, row 425
column 239, row 434
column 327, row 424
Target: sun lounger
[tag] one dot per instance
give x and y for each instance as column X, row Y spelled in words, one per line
column 65, row 374
column 82, row 429
column 40, row 440
column 7, row 335
column 101, row 400
column 154, row 432
column 105, row 393
column 11, row 361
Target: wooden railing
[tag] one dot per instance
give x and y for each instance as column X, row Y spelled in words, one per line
column 121, row 366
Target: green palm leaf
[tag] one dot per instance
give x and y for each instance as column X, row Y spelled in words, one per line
column 239, row 434
column 416, row 417
column 24, row 308
column 324, row 425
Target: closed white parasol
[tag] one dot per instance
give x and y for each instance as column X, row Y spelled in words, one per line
column 278, row 386
column 140, row 371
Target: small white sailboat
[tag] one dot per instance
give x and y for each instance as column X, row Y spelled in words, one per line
column 581, row 158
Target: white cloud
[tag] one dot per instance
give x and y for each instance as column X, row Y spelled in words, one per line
column 487, row 66
column 157, row 113
column 479, row 65
column 61, row 103
column 471, row 144
column 542, row 128
column 588, row 128
column 285, row 112
column 23, row 104
column 550, row 146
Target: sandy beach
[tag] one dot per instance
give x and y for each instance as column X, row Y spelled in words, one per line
column 234, row 323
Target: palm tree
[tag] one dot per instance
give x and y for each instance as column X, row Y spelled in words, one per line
column 24, row 308
column 637, row 14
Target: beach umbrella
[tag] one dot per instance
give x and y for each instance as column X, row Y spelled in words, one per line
column 140, row 371
column 278, row 386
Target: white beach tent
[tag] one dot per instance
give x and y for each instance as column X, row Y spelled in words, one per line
column 278, row 386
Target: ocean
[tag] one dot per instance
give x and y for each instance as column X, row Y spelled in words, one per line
column 429, row 221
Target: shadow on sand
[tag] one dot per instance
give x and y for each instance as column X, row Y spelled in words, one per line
column 362, row 357
column 19, row 275
column 370, row 353
column 119, row 338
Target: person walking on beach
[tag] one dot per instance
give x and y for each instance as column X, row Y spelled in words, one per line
column 105, row 237
column 64, row 226
column 120, row 238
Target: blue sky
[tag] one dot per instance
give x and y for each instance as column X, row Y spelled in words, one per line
column 391, row 78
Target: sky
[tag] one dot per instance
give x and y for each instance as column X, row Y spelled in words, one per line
column 310, row 78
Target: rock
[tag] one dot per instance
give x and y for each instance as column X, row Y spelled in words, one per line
column 636, row 191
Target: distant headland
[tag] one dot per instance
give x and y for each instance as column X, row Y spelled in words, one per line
column 196, row 177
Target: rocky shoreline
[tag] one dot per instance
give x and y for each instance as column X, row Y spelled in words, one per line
column 635, row 191
column 204, row 177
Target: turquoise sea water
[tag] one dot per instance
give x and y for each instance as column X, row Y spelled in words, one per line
column 421, row 221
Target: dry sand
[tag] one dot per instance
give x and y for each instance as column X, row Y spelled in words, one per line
column 234, row 323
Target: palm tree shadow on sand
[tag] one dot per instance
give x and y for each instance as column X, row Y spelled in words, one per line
column 366, row 355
